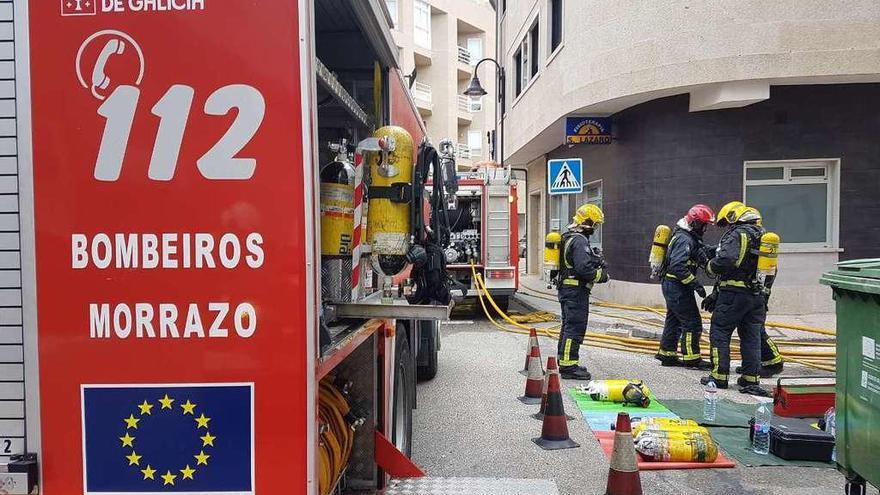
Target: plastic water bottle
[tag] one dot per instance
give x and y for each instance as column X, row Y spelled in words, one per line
column 831, row 427
column 711, row 401
column 761, row 438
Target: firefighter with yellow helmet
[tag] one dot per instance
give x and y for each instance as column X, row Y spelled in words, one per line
column 580, row 268
column 740, row 303
column 771, row 359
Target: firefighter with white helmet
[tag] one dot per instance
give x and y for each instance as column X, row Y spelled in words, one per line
column 580, row 268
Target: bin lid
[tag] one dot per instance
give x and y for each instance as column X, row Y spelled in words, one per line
column 857, row 275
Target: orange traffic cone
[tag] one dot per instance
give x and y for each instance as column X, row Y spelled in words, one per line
column 623, row 475
column 532, row 342
column 554, row 430
column 551, row 368
column 535, row 381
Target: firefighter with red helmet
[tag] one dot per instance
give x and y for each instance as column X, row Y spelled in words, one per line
column 685, row 254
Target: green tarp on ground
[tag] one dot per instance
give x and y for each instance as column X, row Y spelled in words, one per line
column 736, row 444
column 727, row 413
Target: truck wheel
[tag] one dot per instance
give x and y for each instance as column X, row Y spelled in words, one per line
column 404, row 384
column 428, row 348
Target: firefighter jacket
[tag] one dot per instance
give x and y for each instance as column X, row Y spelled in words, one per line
column 736, row 259
column 682, row 256
column 580, row 267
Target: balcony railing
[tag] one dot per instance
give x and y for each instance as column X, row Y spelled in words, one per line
column 421, row 92
column 464, row 104
column 464, row 55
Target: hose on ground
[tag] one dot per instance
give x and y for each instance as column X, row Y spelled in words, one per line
column 818, row 360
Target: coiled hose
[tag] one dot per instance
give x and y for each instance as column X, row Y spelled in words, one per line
column 336, row 435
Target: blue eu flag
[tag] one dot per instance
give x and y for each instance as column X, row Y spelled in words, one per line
column 168, row 439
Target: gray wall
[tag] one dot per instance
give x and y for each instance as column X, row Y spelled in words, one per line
column 665, row 159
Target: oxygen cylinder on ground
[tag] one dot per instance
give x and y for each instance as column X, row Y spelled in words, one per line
column 390, row 192
column 632, row 392
column 337, row 226
column 662, row 235
column 675, row 426
column 768, row 259
column 552, row 247
column 677, row 447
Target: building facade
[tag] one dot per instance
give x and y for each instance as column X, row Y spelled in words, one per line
column 774, row 103
column 440, row 42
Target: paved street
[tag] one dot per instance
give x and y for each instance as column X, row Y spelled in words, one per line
column 470, row 423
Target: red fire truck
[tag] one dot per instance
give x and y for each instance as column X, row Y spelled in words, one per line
column 485, row 233
column 173, row 319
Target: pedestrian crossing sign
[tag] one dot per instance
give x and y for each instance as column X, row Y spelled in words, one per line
column 565, row 176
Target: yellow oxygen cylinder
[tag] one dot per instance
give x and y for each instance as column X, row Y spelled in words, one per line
column 552, row 245
column 337, row 225
column 662, row 235
column 768, row 258
column 390, row 192
column 633, row 392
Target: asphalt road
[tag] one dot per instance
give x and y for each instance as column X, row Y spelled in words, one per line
column 469, row 423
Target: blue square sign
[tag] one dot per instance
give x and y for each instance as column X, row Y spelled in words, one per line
column 565, row 176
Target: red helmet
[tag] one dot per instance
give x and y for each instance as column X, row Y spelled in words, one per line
column 700, row 214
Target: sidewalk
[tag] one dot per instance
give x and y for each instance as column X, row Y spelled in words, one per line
column 534, row 294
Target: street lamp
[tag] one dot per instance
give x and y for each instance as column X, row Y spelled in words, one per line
column 475, row 89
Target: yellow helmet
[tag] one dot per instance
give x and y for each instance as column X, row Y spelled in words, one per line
column 588, row 213
column 728, row 213
column 748, row 214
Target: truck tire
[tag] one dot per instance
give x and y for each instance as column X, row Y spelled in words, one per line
column 429, row 345
column 404, row 386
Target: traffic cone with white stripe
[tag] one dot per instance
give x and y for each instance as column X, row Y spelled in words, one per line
column 535, row 380
column 554, row 430
column 623, row 475
column 532, row 342
column 551, row 368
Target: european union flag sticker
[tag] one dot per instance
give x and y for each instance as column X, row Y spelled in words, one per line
column 151, row 439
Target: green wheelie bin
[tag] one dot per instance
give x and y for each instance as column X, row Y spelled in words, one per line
column 856, row 287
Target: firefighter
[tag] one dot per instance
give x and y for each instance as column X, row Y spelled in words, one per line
column 771, row 359
column 741, row 303
column 685, row 254
column 580, row 268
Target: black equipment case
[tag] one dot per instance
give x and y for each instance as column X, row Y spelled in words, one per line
column 796, row 440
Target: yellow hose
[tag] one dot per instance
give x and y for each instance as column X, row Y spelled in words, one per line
column 819, row 360
column 336, row 439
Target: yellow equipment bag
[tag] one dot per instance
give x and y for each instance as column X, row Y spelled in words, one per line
column 677, row 447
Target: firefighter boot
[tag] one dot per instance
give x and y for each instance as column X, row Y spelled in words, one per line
column 574, row 373
column 698, row 364
column 751, row 388
column 768, row 371
column 718, row 383
column 668, row 360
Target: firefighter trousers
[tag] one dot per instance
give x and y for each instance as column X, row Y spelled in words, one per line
column 769, row 352
column 575, row 303
column 744, row 312
column 683, row 322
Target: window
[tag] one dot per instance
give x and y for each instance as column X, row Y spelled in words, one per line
column 475, row 104
column 555, row 24
column 475, row 142
column 525, row 60
column 392, row 9
column 533, row 46
column 475, row 47
column 518, row 80
column 422, row 23
column 796, row 198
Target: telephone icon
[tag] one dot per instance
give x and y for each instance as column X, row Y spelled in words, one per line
column 99, row 77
